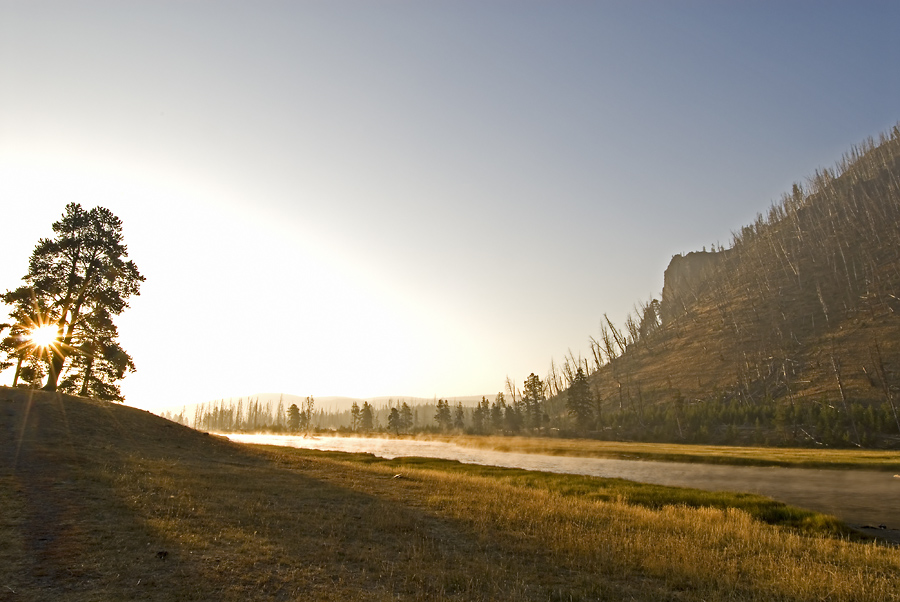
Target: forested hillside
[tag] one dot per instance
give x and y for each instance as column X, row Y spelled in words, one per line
column 789, row 335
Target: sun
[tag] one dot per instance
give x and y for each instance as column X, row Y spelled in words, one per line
column 44, row 336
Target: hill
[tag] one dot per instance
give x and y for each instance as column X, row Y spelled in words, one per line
column 795, row 324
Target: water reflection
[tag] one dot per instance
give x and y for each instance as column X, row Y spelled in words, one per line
column 856, row 496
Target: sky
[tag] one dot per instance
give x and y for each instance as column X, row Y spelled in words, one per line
column 397, row 198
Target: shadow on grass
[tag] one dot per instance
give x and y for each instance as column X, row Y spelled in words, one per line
column 104, row 488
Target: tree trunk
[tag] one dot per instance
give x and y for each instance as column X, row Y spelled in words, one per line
column 87, row 377
column 56, row 364
column 18, row 371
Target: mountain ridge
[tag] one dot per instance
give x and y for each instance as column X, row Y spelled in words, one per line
column 802, row 308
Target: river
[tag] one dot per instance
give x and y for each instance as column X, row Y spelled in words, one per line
column 858, row 497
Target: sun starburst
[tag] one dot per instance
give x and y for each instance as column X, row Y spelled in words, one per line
column 45, row 335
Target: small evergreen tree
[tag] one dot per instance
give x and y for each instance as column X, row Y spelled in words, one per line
column 512, row 417
column 442, row 415
column 533, row 402
column 459, row 417
column 394, row 421
column 479, row 416
column 293, row 416
column 498, row 412
column 406, row 417
column 366, row 417
column 579, row 402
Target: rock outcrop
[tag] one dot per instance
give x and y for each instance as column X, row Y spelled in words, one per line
column 683, row 278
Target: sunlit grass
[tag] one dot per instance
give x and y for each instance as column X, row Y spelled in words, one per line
column 95, row 496
column 713, row 553
column 606, row 489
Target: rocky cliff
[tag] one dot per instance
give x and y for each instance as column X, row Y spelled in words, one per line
column 683, row 279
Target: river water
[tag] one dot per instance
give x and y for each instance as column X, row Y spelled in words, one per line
column 858, row 497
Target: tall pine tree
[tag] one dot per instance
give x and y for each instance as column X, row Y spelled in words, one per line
column 579, row 401
column 77, row 281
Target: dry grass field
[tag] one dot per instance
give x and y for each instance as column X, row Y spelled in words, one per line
column 104, row 502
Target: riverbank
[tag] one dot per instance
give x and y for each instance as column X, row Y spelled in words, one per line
column 787, row 457
column 828, row 458
column 858, row 497
column 107, row 502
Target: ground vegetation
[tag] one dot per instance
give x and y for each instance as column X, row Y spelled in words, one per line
column 103, row 501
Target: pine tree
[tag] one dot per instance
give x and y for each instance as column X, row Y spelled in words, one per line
column 479, row 414
column 498, row 412
column 579, row 401
column 394, row 421
column 459, row 417
column 293, row 417
column 77, row 281
column 533, row 402
column 406, row 417
column 442, row 416
column 366, row 417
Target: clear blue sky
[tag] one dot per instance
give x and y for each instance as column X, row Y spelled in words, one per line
column 414, row 198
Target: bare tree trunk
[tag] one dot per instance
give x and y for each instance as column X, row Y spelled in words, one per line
column 511, row 389
column 617, row 336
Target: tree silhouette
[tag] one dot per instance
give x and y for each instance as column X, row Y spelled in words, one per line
column 533, row 401
column 406, row 417
column 4, row 364
column 579, row 402
column 98, row 362
column 77, row 281
column 459, row 416
column 394, row 421
column 366, row 417
column 355, row 417
column 442, row 414
column 293, row 415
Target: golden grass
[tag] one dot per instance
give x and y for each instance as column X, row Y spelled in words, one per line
column 703, row 553
column 98, row 490
column 709, row 454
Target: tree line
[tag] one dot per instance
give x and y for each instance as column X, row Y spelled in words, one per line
column 518, row 411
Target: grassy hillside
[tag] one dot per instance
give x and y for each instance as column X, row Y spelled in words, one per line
column 802, row 309
column 104, row 502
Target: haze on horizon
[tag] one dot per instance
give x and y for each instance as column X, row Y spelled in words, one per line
column 413, row 199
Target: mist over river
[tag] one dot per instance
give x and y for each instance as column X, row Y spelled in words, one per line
column 859, row 497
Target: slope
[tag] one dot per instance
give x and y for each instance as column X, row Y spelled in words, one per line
column 801, row 309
